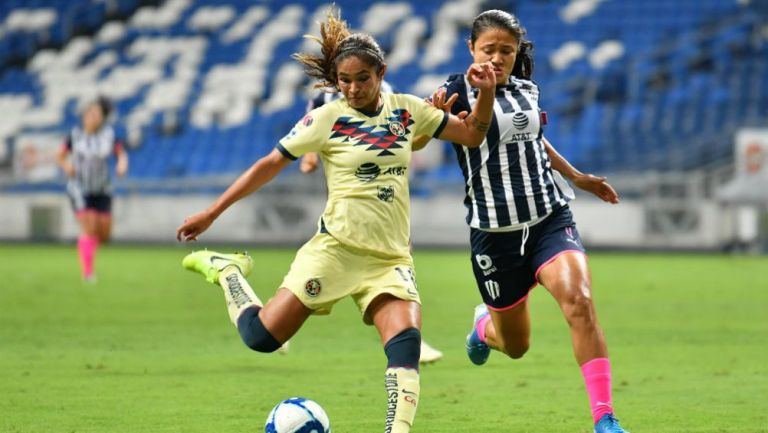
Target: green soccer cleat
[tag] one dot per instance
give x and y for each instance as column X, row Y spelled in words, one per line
column 211, row 263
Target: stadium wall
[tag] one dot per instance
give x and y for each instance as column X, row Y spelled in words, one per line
column 281, row 219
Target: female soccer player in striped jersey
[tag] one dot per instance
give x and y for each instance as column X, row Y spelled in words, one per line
column 309, row 163
column 361, row 249
column 521, row 229
column 84, row 158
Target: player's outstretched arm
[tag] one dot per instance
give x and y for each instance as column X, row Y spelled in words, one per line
column 596, row 185
column 437, row 100
column 254, row 178
column 470, row 131
column 122, row 162
column 62, row 159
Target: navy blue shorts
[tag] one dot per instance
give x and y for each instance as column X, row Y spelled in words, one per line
column 101, row 203
column 503, row 276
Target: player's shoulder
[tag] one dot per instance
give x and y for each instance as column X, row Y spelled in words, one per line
column 455, row 83
column 107, row 131
column 404, row 100
column 523, row 83
column 322, row 114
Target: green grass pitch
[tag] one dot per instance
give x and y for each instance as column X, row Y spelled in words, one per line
column 149, row 348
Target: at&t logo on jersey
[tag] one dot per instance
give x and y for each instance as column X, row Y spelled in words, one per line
column 485, row 263
column 368, row 171
column 520, row 120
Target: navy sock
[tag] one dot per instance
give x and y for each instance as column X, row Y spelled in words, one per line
column 403, row 350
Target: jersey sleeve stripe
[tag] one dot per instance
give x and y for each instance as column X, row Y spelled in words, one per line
column 285, row 152
column 440, row 128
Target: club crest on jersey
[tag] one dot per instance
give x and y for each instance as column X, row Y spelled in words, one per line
column 313, row 287
column 397, row 128
column 379, row 138
column 386, row 193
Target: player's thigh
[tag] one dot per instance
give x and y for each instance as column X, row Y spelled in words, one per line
column 88, row 221
column 284, row 314
column 391, row 315
column 385, row 279
column 567, row 277
column 560, row 260
column 322, row 273
column 504, row 277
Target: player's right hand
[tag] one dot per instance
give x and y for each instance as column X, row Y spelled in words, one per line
column 194, row 226
column 481, row 76
column 309, row 162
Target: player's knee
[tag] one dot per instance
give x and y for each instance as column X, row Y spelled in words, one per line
column 404, row 349
column 578, row 307
column 253, row 332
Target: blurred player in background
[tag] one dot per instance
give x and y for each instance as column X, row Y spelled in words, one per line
column 84, row 158
column 309, row 163
column 521, row 229
column 361, row 249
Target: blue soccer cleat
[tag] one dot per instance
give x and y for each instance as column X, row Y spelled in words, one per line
column 477, row 350
column 608, row 424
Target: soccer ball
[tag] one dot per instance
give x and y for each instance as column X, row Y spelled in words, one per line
column 297, row 415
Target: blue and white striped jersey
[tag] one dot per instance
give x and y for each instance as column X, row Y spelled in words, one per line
column 509, row 178
column 90, row 156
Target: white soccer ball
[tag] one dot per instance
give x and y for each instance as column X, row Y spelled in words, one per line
column 297, row 415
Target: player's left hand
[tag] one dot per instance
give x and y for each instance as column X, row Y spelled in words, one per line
column 598, row 186
column 481, row 76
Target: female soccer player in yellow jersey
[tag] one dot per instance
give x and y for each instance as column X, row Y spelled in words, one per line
column 310, row 162
column 361, row 247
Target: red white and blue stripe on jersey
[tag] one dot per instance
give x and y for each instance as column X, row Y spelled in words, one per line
column 509, row 178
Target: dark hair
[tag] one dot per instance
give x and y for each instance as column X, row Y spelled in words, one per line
column 338, row 43
column 496, row 19
column 104, row 104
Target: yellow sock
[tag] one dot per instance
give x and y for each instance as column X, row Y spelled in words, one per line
column 402, row 399
column 237, row 292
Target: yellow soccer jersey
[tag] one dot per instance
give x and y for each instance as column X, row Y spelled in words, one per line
column 366, row 157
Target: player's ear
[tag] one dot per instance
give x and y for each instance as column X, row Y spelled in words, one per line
column 469, row 46
column 382, row 71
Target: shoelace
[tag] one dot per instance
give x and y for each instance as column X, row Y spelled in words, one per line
column 613, row 421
